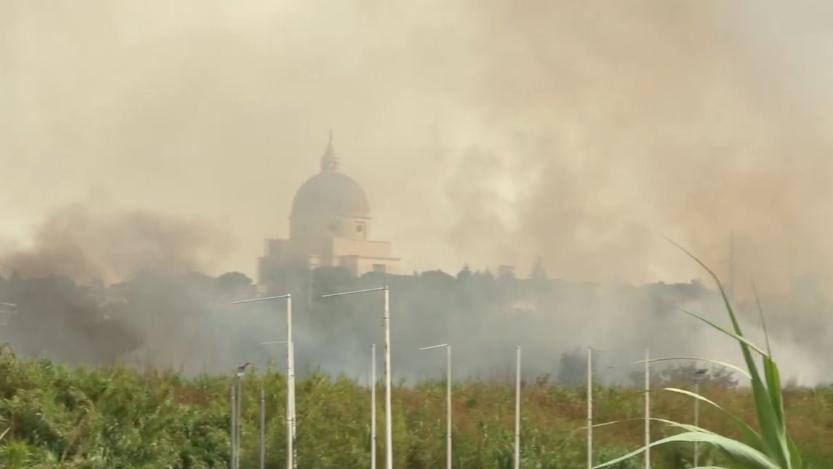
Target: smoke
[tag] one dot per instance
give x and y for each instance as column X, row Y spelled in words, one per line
column 88, row 244
column 618, row 123
column 485, row 132
column 169, row 318
column 99, row 286
column 577, row 131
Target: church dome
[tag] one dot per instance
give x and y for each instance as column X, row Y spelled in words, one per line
column 330, row 193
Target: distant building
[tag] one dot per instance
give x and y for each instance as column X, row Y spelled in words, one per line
column 329, row 226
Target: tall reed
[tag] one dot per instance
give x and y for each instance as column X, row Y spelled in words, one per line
column 772, row 446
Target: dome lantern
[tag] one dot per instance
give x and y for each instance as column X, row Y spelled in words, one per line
column 329, row 160
column 330, row 193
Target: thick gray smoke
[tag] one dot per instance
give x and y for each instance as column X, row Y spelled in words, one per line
column 103, row 286
column 165, row 314
column 484, row 131
column 87, row 244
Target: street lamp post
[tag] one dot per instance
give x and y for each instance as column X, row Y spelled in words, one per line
column 698, row 376
column 517, row 407
column 373, row 406
column 262, row 428
column 386, row 324
column 236, row 414
column 263, row 411
column 589, row 408
column 447, row 399
column 291, row 459
column 647, row 409
column 233, row 427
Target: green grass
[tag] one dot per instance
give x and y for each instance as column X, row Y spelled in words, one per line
column 75, row 417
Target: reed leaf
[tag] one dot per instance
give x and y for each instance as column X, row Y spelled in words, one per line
column 737, row 451
column 728, row 365
column 773, row 447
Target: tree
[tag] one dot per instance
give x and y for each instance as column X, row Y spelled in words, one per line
column 465, row 273
column 235, row 284
column 573, row 367
column 538, row 272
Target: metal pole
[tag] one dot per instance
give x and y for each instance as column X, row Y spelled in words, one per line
column 290, row 376
column 290, row 389
column 647, row 408
column 448, row 431
column 518, row 407
column 388, row 416
column 589, row 408
column 262, row 428
column 448, row 405
column 233, row 427
column 388, row 411
column 373, row 406
column 696, row 422
column 239, row 419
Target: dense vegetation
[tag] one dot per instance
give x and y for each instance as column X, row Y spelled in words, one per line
column 62, row 416
column 100, row 401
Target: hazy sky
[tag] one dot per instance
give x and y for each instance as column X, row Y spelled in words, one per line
column 484, row 131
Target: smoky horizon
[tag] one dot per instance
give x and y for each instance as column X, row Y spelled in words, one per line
column 154, row 148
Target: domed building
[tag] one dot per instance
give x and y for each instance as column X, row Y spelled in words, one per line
column 329, row 226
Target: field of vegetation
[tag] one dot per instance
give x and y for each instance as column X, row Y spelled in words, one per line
column 77, row 417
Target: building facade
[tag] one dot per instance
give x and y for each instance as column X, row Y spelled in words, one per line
column 329, row 225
